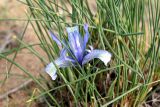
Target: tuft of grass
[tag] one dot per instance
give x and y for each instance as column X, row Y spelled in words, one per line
column 130, row 30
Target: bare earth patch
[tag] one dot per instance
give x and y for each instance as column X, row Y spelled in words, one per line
column 14, row 9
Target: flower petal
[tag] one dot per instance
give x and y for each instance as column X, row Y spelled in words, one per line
column 55, row 38
column 86, row 36
column 89, row 50
column 51, row 70
column 64, row 55
column 91, row 47
column 75, row 42
column 103, row 55
column 54, row 77
column 61, row 62
column 63, row 52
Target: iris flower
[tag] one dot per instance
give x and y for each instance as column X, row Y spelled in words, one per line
column 74, row 52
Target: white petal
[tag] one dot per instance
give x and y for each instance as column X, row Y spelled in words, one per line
column 54, row 77
column 51, row 70
column 103, row 55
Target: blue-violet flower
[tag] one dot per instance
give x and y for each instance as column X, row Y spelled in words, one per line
column 74, row 52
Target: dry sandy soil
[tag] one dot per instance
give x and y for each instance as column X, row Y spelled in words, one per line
column 14, row 9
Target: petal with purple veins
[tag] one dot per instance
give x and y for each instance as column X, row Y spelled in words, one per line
column 103, row 55
column 61, row 62
column 86, row 36
column 63, row 52
column 75, row 42
column 55, row 38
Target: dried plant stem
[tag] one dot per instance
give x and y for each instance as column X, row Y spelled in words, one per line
column 15, row 89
